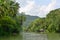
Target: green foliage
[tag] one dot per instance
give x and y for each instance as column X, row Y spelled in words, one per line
column 7, row 25
column 51, row 23
column 8, row 7
column 10, row 22
column 20, row 18
column 36, row 25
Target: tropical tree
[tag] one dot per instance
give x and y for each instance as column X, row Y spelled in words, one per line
column 10, row 22
column 37, row 25
column 51, row 23
column 8, row 8
column 52, row 20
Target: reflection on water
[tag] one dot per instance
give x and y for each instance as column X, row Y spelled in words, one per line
column 18, row 37
column 26, row 36
column 34, row 36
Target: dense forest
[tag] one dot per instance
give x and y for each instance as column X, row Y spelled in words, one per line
column 16, row 25
column 51, row 23
column 10, row 19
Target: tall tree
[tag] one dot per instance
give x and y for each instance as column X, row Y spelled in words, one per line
column 9, row 23
column 8, row 7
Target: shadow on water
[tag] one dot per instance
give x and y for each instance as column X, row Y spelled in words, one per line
column 14, row 37
column 32, row 36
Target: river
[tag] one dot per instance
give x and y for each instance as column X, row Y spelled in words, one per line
column 34, row 36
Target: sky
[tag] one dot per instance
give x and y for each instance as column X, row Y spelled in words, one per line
column 38, row 7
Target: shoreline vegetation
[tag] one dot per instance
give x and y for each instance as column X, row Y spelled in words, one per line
column 11, row 22
column 10, row 19
column 51, row 23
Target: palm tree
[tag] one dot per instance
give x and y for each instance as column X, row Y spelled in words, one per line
column 8, row 7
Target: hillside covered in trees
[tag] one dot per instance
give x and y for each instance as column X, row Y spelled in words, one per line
column 51, row 23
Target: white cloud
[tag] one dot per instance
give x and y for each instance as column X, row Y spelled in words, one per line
column 45, row 9
column 37, row 10
column 28, row 7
